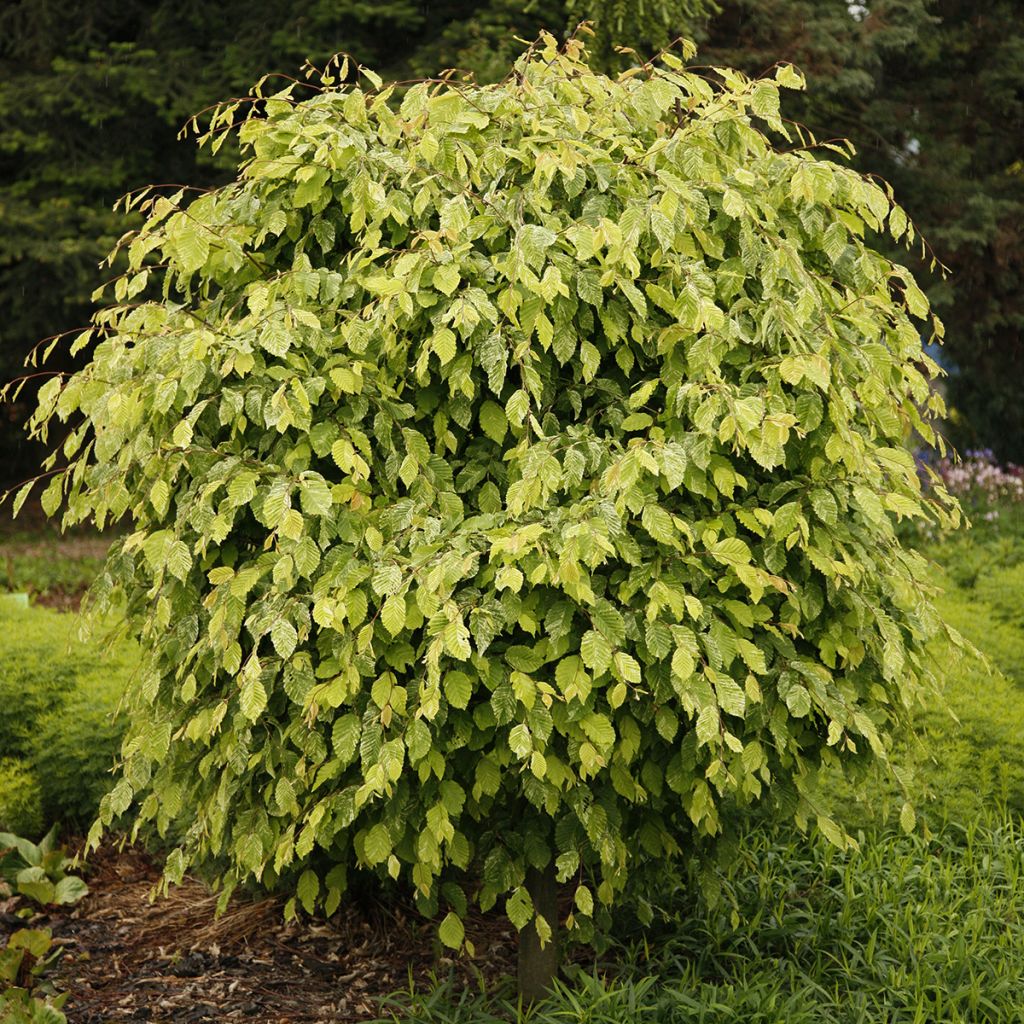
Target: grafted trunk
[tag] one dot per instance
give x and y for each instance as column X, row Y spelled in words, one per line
column 538, row 967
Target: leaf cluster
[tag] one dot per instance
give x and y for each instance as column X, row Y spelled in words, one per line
column 513, row 473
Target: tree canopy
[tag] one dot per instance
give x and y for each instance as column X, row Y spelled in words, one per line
column 512, row 473
column 931, row 92
column 92, row 97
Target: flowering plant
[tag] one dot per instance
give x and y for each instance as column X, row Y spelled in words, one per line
column 981, row 483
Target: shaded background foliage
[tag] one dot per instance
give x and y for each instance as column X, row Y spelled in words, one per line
column 930, row 91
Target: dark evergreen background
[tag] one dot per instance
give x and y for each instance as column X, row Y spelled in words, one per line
column 931, row 92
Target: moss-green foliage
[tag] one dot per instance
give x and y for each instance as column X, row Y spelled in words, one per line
column 513, row 473
column 59, row 694
column 39, row 662
column 21, row 808
column 77, row 744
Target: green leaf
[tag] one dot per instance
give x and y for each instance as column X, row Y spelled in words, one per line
column 392, row 614
column 596, row 652
column 598, row 730
column 345, row 737
column 284, row 638
column 387, row 579
column 444, row 346
column 683, row 665
column 584, row 900
column 493, row 421
column 520, row 742
column 637, row 421
column 192, row 242
column 179, row 559
column 908, row 819
column 35, row 941
column 519, row 908
column 377, row 844
column 451, row 931
column 33, row 883
column 832, row 832
column 307, row 890
column 253, row 698
column 731, row 551
column 446, row 279
column 458, row 688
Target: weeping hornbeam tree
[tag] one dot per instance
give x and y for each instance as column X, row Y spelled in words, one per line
column 512, row 474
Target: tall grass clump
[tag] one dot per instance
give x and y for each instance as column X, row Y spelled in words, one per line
column 905, row 930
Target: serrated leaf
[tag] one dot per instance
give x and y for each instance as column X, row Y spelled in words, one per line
column 596, row 652
column 493, row 421
column 392, row 614
column 908, row 819
column 345, row 737
column 307, row 890
column 387, row 579
column 731, row 551
column 519, row 908
column 446, row 279
column 284, row 638
column 192, row 244
column 179, row 560
column 377, row 844
column 832, row 832
column 458, row 688
column 683, row 665
column 253, row 698
column 451, row 931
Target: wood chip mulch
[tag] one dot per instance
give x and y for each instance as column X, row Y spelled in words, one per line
column 170, row 961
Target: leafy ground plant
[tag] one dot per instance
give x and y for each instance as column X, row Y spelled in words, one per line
column 25, row 995
column 512, row 473
column 39, row 870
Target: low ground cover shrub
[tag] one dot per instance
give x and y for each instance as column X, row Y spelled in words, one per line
column 58, row 734
column 40, row 871
column 21, row 807
column 26, row 996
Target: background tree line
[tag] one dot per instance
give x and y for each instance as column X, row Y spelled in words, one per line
column 931, row 93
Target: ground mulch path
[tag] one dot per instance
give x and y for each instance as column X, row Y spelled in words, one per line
column 127, row 958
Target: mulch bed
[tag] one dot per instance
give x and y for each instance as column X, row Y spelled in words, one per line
column 170, row 961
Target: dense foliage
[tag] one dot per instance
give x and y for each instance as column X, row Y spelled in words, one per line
column 929, row 91
column 932, row 94
column 58, row 749
column 513, row 477
column 93, row 94
column 907, row 930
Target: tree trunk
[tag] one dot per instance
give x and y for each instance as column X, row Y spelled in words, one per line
column 538, row 967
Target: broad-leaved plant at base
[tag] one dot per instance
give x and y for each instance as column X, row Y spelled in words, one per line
column 513, row 473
